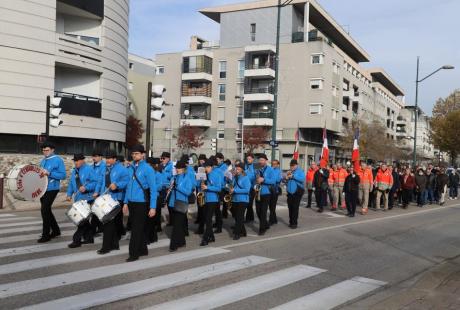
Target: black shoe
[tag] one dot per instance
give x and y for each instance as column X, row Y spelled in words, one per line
column 236, row 237
column 320, row 211
column 244, row 234
column 172, row 249
column 91, row 241
column 103, row 251
column 261, row 232
column 74, row 245
column 55, row 234
column 308, row 207
column 131, row 259
column 204, row 242
column 212, row 239
column 218, row 230
column 199, row 232
column 44, row 239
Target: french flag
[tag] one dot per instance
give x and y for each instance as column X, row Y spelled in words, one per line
column 296, row 149
column 355, row 156
column 325, row 154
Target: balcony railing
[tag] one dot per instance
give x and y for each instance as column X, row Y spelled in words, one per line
column 202, row 116
column 260, row 90
column 196, row 92
column 298, row 37
column 260, row 66
column 197, row 70
column 258, row 114
column 75, row 104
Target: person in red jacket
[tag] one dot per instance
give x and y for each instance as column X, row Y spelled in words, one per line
column 383, row 183
column 407, row 187
column 310, row 176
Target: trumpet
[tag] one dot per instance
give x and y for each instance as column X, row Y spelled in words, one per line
column 229, row 196
column 200, row 197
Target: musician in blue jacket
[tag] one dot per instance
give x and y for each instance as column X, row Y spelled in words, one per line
column 251, row 174
column 113, row 183
column 154, row 223
column 211, row 188
column 53, row 167
column 274, row 198
column 83, row 183
column 266, row 180
column 167, row 169
column 99, row 167
column 178, row 201
column 295, row 189
column 240, row 190
column 140, row 201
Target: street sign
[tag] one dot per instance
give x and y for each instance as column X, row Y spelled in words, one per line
column 274, row 143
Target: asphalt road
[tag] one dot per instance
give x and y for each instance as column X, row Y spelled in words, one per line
column 330, row 261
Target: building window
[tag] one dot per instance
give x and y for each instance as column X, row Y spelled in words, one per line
column 334, row 90
column 220, row 134
column 222, row 89
column 221, row 115
column 222, row 69
column 238, row 134
column 335, row 67
column 241, row 67
column 131, row 65
column 316, row 83
column 317, row 59
column 253, row 32
column 160, row 70
column 316, row 108
column 346, row 85
column 335, row 114
column 344, row 122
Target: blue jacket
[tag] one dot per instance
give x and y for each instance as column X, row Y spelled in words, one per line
column 222, row 168
column 190, row 172
column 88, row 179
column 119, row 176
column 297, row 180
column 146, row 176
column 55, row 166
column 278, row 176
column 159, row 180
column 182, row 189
column 250, row 173
column 167, row 174
column 99, row 169
column 269, row 180
column 214, row 184
column 241, row 188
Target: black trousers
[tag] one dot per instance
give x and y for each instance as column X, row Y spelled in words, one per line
column 111, row 234
column 309, row 198
column 351, row 200
column 250, row 208
column 84, row 231
column 120, row 227
column 293, row 201
column 391, row 199
column 261, row 210
column 96, row 224
column 218, row 212
column 49, row 221
column 272, row 206
column 207, row 213
column 238, row 209
column 178, row 230
column 200, row 217
column 138, row 213
column 321, row 198
column 406, row 196
column 171, row 215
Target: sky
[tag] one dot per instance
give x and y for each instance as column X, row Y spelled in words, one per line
column 393, row 32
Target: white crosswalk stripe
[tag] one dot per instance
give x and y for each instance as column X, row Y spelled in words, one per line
column 120, row 292
column 29, row 237
column 241, row 290
column 19, row 224
column 17, row 219
column 7, row 215
column 333, row 296
column 31, row 228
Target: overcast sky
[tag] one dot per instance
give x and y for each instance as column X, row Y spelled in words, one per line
column 393, row 32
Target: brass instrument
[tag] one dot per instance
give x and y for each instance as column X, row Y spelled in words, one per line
column 228, row 196
column 200, row 197
column 168, row 192
column 257, row 187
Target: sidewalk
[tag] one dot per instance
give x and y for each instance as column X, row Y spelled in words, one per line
column 11, row 204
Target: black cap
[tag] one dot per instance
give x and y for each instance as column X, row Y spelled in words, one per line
column 209, row 163
column 180, row 165
column 111, row 154
column 228, row 162
column 263, row 156
column 240, row 165
column 153, row 161
column 49, row 144
column 138, row 148
column 213, row 159
column 202, row 157
column 294, row 162
column 120, row 158
column 220, row 155
column 97, row 152
column 78, row 157
column 166, row 154
column 184, row 158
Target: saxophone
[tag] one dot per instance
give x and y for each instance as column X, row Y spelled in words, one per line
column 257, row 187
column 200, row 197
column 228, row 196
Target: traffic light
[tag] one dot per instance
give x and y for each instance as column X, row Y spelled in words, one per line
column 214, row 144
column 55, row 112
column 158, row 102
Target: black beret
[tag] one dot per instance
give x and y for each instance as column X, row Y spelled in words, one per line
column 180, row 165
column 263, row 156
column 111, row 154
column 78, row 157
column 138, row 148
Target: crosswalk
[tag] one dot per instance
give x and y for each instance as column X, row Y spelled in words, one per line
column 51, row 276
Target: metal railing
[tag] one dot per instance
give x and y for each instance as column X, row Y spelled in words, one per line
column 197, row 70
column 260, row 90
column 258, row 114
column 252, row 66
column 61, row 94
column 196, row 92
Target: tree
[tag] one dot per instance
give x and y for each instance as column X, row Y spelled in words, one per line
column 189, row 138
column 447, row 105
column 445, row 133
column 134, row 131
column 254, row 138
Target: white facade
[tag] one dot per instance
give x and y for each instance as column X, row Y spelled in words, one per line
column 72, row 49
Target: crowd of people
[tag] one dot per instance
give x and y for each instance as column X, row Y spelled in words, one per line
column 146, row 187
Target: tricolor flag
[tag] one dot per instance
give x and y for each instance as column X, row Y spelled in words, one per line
column 355, row 156
column 325, row 153
column 296, row 149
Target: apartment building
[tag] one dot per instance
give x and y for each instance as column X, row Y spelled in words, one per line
column 75, row 50
column 227, row 87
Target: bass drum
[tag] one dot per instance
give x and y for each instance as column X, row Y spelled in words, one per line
column 25, row 183
column 105, row 208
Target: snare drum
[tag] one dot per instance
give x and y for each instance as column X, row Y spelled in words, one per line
column 105, row 208
column 79, row 212
column 25, row 183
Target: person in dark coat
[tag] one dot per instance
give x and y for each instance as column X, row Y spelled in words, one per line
column 442, row 179
column 320, row 183
column 420, row 186
column 351, row 190
column 395, row 188
column 430, row 186
column 454, row 180
column 407, row 187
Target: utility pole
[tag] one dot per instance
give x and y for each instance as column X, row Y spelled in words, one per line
column 149, row 120
column 47, row 123
column 277, row 60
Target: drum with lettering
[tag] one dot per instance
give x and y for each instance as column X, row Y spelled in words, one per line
column 25, row 182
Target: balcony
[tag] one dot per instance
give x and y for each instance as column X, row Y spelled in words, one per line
column 259, row 94
column 197, row 115
column 260, row 48
column 196, row 93
column 197, row 74
column 80, row 105
column 258, row 114
column 260, row 71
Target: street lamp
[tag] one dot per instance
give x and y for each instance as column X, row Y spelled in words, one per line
column 241, row 98
column 417, row 81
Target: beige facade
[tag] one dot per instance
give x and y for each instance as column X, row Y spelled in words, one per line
column 321, row 82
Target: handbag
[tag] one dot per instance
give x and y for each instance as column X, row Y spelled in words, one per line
column 180, row 206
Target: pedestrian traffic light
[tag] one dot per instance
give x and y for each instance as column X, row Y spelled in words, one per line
column 214, row 144
column 158, row 102
column 55, row 112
